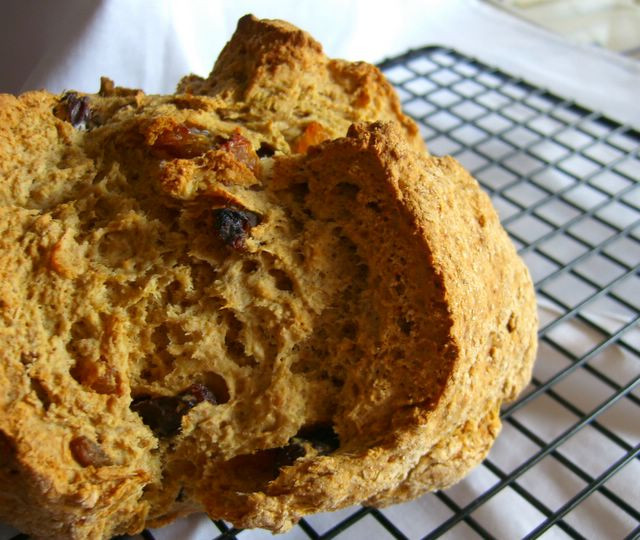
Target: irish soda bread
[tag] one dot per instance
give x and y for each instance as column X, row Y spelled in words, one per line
column 258, row 297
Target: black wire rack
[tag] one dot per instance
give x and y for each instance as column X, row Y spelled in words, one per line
column 566, row 183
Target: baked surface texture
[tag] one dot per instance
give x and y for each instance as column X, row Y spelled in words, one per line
column 276, row 80
column 206, row 305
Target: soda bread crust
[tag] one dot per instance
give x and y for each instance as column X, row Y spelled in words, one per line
column 208, row 305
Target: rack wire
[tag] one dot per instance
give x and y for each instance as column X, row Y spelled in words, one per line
column 566, row 183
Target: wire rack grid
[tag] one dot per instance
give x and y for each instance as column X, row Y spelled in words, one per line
column 566, row 183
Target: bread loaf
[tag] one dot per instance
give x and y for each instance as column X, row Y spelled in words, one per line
column 208, row 305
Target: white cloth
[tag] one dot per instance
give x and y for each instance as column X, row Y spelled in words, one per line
column 150, row 44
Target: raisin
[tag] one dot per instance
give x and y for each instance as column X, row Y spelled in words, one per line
column 233, row 225
column 265, row 150
column 180, row 141
column 242, row 151
column 321, row 436
column 78, row 110
column 87, row 452
column 164, row 414
column 286, row 455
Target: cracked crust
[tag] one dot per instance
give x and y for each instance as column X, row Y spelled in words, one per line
column 277, row 79
column 194, row 318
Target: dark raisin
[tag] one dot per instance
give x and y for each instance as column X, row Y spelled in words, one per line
column 286, row 455
column 321, row 436
column 265, row 150
column 164, row 414
column 78, row 109
column 87, row 452
column 234, row 225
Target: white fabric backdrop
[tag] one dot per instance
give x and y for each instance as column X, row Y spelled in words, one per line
column 151, row 43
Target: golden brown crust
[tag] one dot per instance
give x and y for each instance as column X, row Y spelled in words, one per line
column 187, row 326
column 275, row 77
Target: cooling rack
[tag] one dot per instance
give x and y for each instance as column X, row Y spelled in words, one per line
column 566, row 183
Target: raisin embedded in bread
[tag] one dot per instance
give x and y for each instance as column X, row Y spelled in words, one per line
column 188, row 325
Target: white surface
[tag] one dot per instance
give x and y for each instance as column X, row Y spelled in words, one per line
column 614, row 24
column 151, row 43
